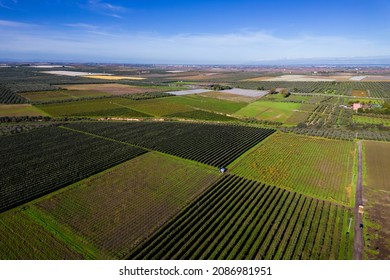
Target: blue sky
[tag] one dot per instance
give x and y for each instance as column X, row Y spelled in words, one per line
column 204, row 32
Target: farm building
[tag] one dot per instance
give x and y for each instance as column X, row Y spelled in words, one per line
column 356, row 106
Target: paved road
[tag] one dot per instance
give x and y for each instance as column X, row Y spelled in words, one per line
column 358, row 243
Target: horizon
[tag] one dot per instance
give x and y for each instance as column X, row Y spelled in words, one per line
column 196, row 32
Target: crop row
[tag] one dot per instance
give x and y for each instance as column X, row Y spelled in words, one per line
column 374, row 89
column 7, row 96
column 44, row 160
column 242, row 219
column 322, row 169
column 212, row 144
column 348, row 135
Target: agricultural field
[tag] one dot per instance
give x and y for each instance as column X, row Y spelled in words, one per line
column 212, row 144
column 370, row 120
column 19, row 110
column 106, row 107
column 376, row 194
column 179, row 104
column 114, row 88
column 316, row 167
column 359, row 93
column 60, row 95
column 228, row 96
column 22, row 237
column 7, row 96
column 104, row 168
column 47, row 159
column 202, row 115
column 267, row 110
column 113, row 77
column 128, row 202
column 242, row 219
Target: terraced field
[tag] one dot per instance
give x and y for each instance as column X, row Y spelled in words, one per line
column 243, row 219
column 317, row 167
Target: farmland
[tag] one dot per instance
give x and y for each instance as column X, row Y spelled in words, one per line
column 129, row 201
column 18, row 110
column 325, row 166
column 60, row 95
column 23, row 238
column 266, row 110
column 179, row 104
column 97, row 107
column 51, row 158
column 113, row 88
column 243, row 219
column 215, row 145
column 132, row 169
column 376, row 192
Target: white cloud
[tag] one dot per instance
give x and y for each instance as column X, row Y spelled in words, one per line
column 8, row 23
column 98, row 44
column 106, row 8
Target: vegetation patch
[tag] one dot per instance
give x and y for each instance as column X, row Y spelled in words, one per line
column 212, row 144
column 99, row 107
column 316, row 167
column 203, row 115
column 128, row 202
column 242, row 219
column 60, row 95
column 20, row 110
column 47, row 159
column 21, row 238
column 377, row 196
column 370, row 120
column 268, row 110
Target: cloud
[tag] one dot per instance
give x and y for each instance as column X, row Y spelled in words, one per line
column 7, row 6
column 106, row 8
column 16, row 24
column 105, row 44
column 81, row 25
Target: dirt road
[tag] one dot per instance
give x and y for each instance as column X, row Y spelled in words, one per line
column 358, row 243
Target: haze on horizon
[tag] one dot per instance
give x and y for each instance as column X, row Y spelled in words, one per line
column 199, row 32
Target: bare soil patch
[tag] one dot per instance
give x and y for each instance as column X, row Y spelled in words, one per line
column 359, row 93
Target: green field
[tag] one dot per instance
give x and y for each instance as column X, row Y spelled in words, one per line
column 370, row 120
column 242, row 219
column 202, row 115
column 316, row 167
column 22, row 238
column 96, row 108
column 180, row 104
column 377, row 193
column 268, row 110
column 58, row 95
column 19, row 110
column 118, row 208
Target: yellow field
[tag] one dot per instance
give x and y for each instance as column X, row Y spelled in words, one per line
column 115, row 78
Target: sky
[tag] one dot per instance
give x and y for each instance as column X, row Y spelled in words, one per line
column 192, row 32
